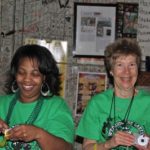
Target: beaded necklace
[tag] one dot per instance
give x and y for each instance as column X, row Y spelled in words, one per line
column 17, row 145
column 126, row 116
column 123, row 123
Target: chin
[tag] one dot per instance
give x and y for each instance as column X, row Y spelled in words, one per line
column 128, row 89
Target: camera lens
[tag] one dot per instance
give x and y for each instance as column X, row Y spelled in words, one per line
column 142, row 140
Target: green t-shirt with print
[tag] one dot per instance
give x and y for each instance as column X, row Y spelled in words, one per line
column 93, row 123
column 55, row 117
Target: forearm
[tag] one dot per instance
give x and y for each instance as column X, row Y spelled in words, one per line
column 50, row 142
column 96, row 146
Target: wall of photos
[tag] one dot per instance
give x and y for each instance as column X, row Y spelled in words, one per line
column 49, row 20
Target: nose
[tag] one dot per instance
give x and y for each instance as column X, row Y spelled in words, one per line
column 27, row 77
column 126, row 69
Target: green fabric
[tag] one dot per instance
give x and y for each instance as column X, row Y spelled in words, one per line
column 54, row 117
column 98, row 109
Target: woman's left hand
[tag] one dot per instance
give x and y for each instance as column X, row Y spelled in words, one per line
column 142, row 147
column 24, row 133
column 3, row 126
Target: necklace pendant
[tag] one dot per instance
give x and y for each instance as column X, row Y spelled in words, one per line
column 125, row 128
column 18, row 145
column 26, row 146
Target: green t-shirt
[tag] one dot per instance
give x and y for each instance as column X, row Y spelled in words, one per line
column 91, row 125
column 55, row 117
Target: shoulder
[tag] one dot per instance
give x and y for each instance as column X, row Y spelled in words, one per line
column 5, row 101
column 101, row 99
column 6, row 98
column 143, row 92
column 105, row 95
column 143, row 96
column 56, row 102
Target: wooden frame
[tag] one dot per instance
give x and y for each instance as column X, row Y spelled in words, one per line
column 88, row 85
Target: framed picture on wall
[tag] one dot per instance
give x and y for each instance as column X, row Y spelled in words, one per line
column 127, row 20
column 88, row 85
column 94, row 28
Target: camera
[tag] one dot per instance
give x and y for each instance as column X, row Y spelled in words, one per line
column 141, row 140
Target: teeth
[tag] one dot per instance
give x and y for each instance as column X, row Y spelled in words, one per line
column 127, row 78
column 27, row 87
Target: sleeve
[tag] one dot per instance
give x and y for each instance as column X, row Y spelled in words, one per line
column 4, row 106
column 61, row 123
column 89, row 125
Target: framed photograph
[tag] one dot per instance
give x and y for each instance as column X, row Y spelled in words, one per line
column 88, row 85
column 127, row 20
column 94, row 28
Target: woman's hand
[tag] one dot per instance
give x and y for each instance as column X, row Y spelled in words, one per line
column 24, row 133
column 45, row 140
column 3, row 126
column 120, row 138
column 142, row 147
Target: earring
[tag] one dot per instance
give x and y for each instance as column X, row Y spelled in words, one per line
column 111, row 73
column 45, row 91
column 14, row 87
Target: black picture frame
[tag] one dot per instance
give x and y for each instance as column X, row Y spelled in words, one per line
column 127, row 20
column 94, row 28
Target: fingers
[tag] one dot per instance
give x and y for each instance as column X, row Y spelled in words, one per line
column 3, row 126
column 24, row 135
column 122, row 138
column 7, row 134
column 21, row 132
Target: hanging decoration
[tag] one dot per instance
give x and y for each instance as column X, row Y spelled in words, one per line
column 63, row 3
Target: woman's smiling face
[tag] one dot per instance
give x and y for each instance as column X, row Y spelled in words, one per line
column 29, row 79
column 125, row 72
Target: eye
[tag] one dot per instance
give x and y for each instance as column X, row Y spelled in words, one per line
column 36, row 73
column 119, row 65
column 133, row 65
column 20, row 72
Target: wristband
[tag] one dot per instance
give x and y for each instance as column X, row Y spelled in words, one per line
column 95, row 146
